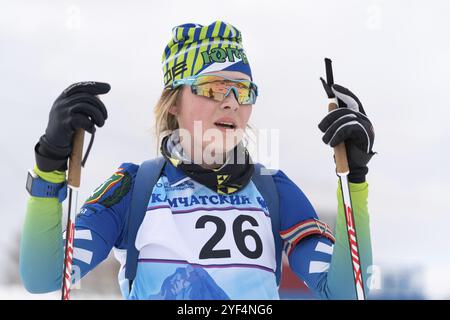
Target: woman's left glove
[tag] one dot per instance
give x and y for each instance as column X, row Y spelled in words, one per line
column 350, row 124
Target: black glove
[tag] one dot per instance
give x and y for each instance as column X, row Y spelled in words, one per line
column 350, row 124
column 76, row 107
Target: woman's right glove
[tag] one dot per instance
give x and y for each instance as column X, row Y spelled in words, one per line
column 76, row 107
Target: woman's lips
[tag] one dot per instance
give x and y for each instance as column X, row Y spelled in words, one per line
column 226, row 122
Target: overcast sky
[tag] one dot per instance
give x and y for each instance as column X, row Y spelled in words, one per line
column 392, row 54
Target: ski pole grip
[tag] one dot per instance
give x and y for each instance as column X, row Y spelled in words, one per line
column 74, row 175
column 340, row 153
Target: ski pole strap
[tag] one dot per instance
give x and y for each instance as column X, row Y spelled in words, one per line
column 91, row 142
column 146, row 178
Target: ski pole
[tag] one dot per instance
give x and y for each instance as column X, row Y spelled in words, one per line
column 342, row 171
column 73, row 182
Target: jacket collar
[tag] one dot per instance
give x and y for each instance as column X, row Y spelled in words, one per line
column 174, row 175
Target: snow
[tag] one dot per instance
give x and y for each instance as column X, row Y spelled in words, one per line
column 17, row 292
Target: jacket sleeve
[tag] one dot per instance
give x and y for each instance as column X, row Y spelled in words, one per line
column 98, row 227
column 340, row 276
column 320, row 260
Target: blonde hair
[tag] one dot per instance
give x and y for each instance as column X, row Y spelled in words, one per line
column 166, row 122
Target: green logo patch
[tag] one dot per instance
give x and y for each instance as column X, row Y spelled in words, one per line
column 221, row 55
column 98, row 194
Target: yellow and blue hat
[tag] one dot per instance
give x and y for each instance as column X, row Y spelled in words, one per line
column 195, row 49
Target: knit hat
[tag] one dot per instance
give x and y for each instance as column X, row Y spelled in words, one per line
column 195, row 49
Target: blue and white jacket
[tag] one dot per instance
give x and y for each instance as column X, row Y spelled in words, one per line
column 193, row 243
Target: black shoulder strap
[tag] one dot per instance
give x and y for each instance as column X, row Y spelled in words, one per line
column 263, row 180
column 146, row 178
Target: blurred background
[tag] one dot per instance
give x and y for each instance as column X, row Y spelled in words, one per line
column 392, row 54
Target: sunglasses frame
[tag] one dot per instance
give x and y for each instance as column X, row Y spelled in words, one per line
column 191, row 80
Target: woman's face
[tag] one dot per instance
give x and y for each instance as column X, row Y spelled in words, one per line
column 199, row 117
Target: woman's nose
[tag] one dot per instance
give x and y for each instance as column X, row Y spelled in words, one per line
column 230, row 101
